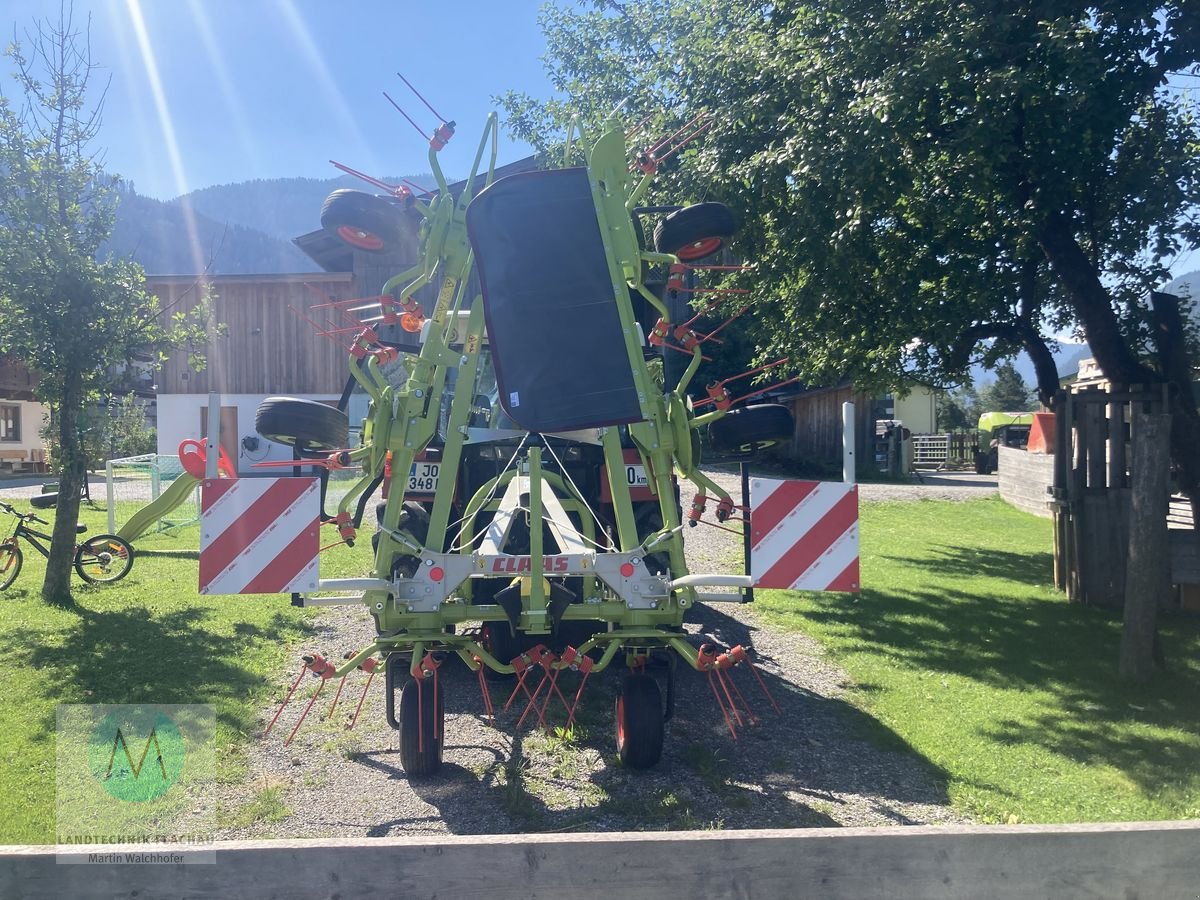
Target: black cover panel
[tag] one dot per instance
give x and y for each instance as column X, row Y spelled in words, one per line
column 548, row 302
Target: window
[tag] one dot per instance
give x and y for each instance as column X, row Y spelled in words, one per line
column 10, row 423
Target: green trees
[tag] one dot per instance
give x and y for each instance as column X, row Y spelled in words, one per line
column 928, row 183
column 70, row 317
column 1008, row 393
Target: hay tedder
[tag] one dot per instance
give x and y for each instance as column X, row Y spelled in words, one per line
column 532, row 524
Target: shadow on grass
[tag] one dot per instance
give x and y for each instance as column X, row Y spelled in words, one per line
column 136, row 655
column 1033, row 643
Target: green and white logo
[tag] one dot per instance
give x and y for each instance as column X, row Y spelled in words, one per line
column 136, row 753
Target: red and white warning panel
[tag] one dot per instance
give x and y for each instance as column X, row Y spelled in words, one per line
column 259, row 535
column 804, row 535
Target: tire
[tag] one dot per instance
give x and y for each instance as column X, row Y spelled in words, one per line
column 420, row 751
column 10, row 564
column 695, row 232
column 744, row 431
column 981, row 467
column 362, row 220
column 639, row 722
column 103, row 559
column 44, row 501
column 304, row 424
column 499, row 641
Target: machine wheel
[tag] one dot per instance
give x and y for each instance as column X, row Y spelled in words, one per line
column 10, row 564
column 695, row 232
column 103, row 559
column 304, row 424
column 981, row 463
column 362, row 220
column 639, row 722
column 422, row 728
column 44, row 501
column 743, row 431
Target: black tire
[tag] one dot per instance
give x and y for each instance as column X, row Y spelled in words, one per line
column 362, row 220
column 744, row 431
column 639, row 722
column 44, row 501
column 11, row 561
column 420, row 750
column 981, row 463
column 695, row 232
column 304, row 424
column 103, row 559
column 498, row 640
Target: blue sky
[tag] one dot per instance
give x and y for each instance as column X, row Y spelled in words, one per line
column 266, row 88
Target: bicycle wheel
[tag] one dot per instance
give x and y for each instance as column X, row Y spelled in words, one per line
column 103, row 558
column 10, row 564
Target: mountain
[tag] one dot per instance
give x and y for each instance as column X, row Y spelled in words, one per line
column 245, row 228
column 1066, row 357
column 283, row 208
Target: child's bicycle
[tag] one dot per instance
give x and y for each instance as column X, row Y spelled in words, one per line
column 99, row 559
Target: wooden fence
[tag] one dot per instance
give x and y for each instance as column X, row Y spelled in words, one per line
column 1127, row 859
column 1092, row 495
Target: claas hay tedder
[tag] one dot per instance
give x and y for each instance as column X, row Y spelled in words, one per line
column 525, row 402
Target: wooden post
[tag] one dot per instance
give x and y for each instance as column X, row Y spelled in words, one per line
column 1148, row 577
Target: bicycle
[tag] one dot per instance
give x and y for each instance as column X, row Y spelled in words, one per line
column 102, row 559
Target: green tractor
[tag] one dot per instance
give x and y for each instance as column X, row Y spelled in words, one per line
column 1000, row 429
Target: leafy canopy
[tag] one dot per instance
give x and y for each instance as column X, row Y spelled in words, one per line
column 920, row 183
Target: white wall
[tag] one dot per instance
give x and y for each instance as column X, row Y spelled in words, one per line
column 33, row 418
column 179, row 419
column 917, row 411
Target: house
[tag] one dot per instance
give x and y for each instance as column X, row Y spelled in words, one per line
column 21, row 420
column 818, row 415
column 267, row 349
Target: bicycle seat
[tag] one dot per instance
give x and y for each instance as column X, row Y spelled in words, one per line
column 80, row 528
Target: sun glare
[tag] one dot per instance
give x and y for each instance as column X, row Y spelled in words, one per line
column 167, row 126
column 335, row 100
column 243, row 133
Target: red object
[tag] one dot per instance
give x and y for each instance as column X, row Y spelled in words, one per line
column 437, row 573
column 627, row 570
column 804, row 535
column 699, row 249
column 1041, row 433
column 193, row 456
column 356, row 237
column 259, row 535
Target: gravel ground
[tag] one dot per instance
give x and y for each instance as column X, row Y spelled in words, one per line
column 821, row 762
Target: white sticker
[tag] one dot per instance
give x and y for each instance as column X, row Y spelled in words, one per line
column 514, row 399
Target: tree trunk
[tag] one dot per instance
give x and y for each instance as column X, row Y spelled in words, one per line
column 57, row 586
column 1148, row 577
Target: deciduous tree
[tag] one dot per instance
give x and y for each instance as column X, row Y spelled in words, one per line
column 68, row 315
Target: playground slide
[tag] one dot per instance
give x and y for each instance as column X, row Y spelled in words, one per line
column 179, row 491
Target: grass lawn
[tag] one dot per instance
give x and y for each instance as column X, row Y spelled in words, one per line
column 147, row 638
column 960, row 645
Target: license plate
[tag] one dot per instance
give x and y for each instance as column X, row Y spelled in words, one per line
column 636, row 476
column 423, row 479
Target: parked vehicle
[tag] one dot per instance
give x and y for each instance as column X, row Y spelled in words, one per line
column 997, row 429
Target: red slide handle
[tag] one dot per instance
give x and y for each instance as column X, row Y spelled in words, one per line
column 193, row 456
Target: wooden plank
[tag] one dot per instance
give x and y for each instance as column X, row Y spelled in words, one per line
column 1185, row 556
column 1117, row 476
column 1097, row 438
column 1152, row 859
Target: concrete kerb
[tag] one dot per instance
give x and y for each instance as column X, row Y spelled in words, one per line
column 1155, row 859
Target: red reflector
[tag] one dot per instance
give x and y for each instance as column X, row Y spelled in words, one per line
column 627, row 570
column 411, row 322
column 437, row 573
